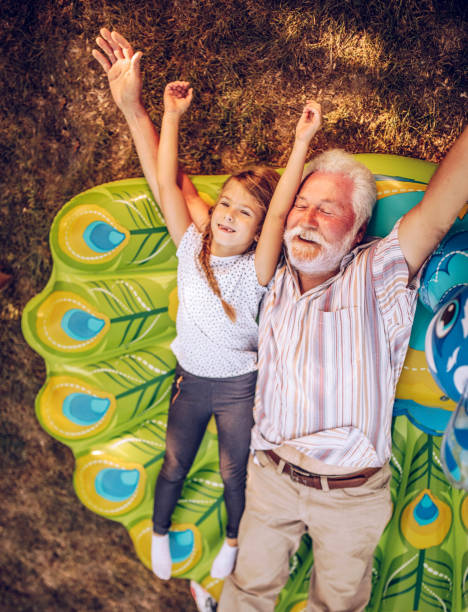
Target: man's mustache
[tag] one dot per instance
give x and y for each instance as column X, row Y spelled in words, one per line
column 306, row 234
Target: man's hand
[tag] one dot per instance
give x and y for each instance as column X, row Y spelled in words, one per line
column 122, row 67
column 177, row 97
column 310, row 121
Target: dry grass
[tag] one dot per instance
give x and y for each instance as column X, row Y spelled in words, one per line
column 390, row 75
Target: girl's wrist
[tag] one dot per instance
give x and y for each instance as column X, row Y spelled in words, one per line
column 135, row 110
column 172, row 115
column 301, row 141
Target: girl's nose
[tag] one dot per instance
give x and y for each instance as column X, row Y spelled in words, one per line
column 228, row 216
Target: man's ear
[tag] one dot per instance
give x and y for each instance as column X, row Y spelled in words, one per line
column 361, row 233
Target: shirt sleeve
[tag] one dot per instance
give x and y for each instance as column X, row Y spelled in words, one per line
column 395, row 296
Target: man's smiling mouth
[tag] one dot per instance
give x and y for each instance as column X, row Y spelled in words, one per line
column 306, row 238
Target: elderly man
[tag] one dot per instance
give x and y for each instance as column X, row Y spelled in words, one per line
column 334, row 331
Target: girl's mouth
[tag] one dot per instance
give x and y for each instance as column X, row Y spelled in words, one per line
column 226, row 229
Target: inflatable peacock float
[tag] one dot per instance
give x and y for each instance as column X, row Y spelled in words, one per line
column 104, row 324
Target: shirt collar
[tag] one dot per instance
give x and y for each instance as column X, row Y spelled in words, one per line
column 345, row 262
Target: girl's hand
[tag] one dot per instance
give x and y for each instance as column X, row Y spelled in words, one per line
column 122, row 67
column 310, row 121
column 177, row 97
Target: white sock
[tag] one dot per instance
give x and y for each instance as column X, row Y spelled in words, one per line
column 225, row 561
column 161, row 561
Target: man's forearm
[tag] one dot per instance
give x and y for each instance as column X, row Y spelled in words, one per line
column 447, row 191
column 425, row 225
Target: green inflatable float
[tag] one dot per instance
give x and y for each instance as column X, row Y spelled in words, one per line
column 104, row 324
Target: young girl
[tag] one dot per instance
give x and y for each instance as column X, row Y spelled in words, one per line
column 222, row 275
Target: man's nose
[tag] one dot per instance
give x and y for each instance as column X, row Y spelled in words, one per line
column 310, row 217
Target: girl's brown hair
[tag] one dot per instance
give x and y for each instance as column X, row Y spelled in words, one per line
column 260, row 182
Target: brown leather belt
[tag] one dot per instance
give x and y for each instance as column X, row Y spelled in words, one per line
column 299, row 475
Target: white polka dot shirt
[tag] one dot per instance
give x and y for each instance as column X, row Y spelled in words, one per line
column 208, row 343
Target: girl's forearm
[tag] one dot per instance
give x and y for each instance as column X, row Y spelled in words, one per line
column 168, row 150
column 271, row 237
column 172, row 201
column 290, row 180
column 146, row 140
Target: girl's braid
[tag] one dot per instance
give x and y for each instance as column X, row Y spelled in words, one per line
column 204, row 260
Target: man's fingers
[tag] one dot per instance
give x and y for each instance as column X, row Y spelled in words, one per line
column 102, row 59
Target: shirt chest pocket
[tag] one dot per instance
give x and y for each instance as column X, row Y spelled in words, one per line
column 337, row 340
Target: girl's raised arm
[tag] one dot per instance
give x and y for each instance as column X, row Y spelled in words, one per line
column 177, row 98
column 271, row 237
column 122, row 67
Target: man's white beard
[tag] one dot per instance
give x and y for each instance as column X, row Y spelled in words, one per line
column 327, row 260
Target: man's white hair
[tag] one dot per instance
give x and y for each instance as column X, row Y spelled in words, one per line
column 337, row 161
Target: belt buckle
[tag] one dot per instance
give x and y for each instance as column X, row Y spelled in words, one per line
column 302, row 477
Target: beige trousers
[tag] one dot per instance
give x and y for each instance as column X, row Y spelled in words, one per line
column 345, row 526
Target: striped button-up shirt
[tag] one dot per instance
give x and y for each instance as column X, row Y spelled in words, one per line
column 330, row 359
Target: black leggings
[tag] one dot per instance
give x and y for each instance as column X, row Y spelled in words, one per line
column 194, row 400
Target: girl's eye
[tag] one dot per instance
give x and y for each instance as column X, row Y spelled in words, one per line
column 246, row 212
column 223, row 203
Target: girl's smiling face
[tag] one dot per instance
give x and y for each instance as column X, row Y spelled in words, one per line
column 235, row 221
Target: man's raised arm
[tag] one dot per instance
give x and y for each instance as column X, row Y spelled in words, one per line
column 424, row 226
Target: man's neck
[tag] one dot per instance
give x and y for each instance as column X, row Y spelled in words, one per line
column 310, row 281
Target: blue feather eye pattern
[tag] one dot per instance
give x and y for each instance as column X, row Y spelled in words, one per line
column 84, row 409
column 116, row 485
column 90, row 235
column 102, row 237
column 80, row 325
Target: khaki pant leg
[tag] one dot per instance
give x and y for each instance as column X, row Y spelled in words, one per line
column 345, row 531
column 269, row 534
